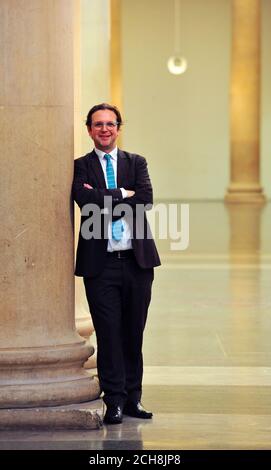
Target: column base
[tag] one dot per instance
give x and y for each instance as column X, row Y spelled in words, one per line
column 84, row 327
column 46, row 376
column 85, row 416
column 91, row 363
column 247, row 194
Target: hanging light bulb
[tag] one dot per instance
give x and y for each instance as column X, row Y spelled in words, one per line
column 177, row 64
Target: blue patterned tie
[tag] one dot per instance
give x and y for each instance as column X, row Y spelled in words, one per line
column 117, row 226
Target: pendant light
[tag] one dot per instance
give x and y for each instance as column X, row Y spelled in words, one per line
column 176, row 63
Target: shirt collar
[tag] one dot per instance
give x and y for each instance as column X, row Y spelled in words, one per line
column 101, row 154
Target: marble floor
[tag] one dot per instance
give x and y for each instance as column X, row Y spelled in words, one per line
column 207, row 345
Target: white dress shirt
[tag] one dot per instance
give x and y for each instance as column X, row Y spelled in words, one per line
column 125, row 243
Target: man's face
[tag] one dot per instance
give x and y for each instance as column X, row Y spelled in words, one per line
column 103, row 130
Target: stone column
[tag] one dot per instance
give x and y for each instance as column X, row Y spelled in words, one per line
column 95, row 29
column 245, row 103
column 94, row 57
column 115, row 53
column 42, row 355
column 245, row 222
column 84, row 323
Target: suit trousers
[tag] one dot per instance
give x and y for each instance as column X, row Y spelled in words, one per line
column 118, row 300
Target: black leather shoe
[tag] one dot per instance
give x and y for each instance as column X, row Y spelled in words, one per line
column 136, row 410
column 113, row 414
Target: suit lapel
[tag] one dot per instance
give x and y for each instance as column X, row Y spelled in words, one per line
column 122, row 169
column 96, row 168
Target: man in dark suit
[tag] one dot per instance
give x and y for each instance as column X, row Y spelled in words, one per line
column 116, row 261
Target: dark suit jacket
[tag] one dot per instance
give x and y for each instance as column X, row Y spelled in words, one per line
column 132, row 173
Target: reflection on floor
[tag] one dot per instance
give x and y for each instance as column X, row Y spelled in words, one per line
column 207, row 344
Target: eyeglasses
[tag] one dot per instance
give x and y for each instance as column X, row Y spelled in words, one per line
column 108, row 125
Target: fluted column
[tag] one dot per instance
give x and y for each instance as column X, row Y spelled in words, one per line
column 41, row 355
column 245, row 103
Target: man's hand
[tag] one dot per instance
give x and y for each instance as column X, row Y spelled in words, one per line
column 87, row 186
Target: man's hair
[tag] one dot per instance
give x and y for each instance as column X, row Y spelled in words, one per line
column 101, row 107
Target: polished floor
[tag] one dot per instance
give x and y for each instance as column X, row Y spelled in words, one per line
column 207, row 344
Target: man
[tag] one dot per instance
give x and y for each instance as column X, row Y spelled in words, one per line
column 117, row 266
